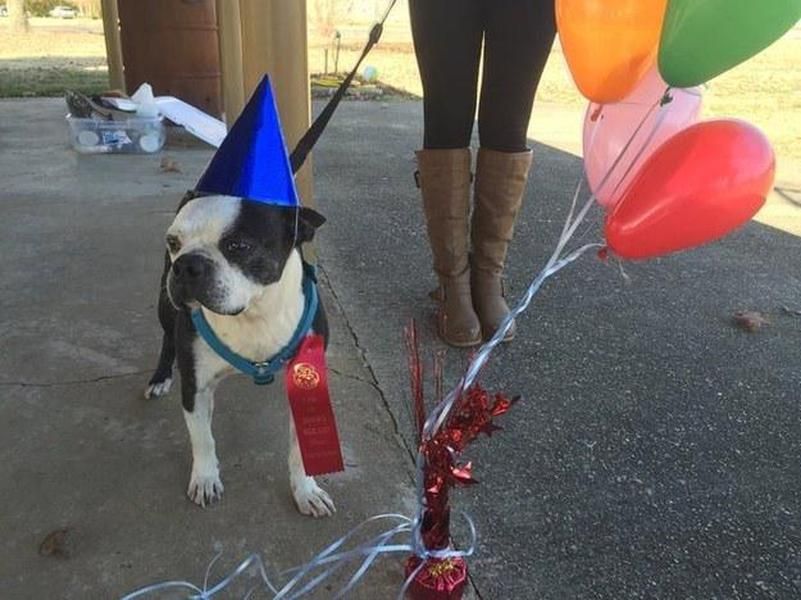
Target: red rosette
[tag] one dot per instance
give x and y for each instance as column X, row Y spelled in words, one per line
column 439, row 579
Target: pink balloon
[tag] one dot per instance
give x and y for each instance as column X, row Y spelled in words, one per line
column 609, row 127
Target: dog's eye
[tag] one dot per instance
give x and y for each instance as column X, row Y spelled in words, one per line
column 236, row 246
column 173, row 243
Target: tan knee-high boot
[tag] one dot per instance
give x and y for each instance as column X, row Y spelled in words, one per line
column 500, row 182
column 444, row 180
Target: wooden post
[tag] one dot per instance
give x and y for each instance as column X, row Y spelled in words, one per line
column 274, row 41
column 229, row 23
column 111, row 29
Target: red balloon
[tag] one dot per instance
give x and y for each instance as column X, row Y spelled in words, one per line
column 698, row 186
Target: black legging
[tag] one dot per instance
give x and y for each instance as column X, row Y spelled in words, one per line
column 517, row 34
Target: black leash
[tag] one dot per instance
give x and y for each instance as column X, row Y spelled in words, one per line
column 309, row 139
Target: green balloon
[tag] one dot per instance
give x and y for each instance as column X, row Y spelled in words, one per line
column 704, row 38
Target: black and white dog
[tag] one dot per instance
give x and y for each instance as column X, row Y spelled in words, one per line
column 240, row 263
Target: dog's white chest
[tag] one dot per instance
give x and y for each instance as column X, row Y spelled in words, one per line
column 268, row 325
column 259, row 338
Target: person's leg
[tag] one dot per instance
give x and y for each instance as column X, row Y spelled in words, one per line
column 447, row 42
column 518, row 41
column 447, row 37
column 519, row 36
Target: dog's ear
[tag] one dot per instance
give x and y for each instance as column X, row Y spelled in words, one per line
column 308, row 222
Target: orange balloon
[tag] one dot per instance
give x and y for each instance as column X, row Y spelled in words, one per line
column 609, row 45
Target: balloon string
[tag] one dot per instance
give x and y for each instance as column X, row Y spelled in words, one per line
column 632, row 164
column 369, row 559
column 627, row 145
column 320, row 558
column 159, row 587
column 554, row 264
column 661, row 103
column 371, row 550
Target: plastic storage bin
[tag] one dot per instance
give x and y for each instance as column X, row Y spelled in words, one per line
column 137, row 135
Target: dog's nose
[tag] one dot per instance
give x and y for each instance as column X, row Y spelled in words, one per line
column 190, row 267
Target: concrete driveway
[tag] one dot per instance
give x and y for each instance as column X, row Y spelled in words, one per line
column 80, row 447
column 657, row 451
column 655, row 455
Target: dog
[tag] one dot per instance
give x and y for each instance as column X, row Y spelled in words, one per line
column 240, row 262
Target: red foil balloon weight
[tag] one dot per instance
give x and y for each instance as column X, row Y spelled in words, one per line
column 439, row 579
column 471, row 415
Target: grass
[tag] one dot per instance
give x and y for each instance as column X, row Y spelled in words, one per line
column 51, row 81
column 56, row 55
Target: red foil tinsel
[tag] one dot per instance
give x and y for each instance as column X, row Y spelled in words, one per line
column 471, row 415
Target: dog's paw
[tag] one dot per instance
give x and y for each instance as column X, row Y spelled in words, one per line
column 205, row 487
column 311, row 499
column 158, row 388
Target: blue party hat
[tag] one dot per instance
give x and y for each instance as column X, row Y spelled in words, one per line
column 252, row 161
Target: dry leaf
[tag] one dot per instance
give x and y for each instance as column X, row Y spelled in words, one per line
column 169, row 165
column 750, row 320
column 57, row 544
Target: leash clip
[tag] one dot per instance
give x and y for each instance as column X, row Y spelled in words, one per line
column 263, row 374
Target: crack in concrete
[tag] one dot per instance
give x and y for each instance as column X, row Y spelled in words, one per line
column 363, row 354
column 395, row 437
column 353, row 377
column 52, row 384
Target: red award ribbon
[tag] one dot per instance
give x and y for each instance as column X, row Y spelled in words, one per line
column 307, row 389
